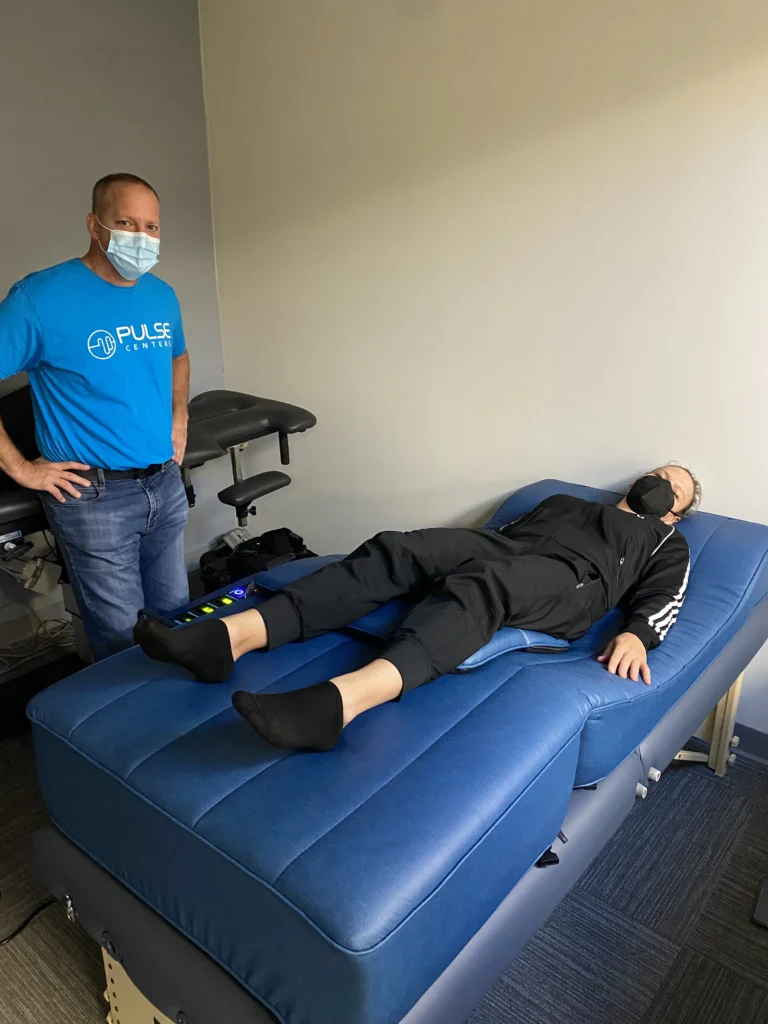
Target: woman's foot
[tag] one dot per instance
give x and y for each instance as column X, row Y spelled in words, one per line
column 208, row 648
column 308, row 719
column 313, row 718
column 203, row 648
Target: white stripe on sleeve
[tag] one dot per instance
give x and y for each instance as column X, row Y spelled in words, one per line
column 663, row 620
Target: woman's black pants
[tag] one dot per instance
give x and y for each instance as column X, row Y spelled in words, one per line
column 467, row 584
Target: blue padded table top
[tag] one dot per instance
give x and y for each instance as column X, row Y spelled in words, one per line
column 729, row 578
column 336, row 887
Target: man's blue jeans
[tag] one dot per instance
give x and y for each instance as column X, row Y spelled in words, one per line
column 123, row 545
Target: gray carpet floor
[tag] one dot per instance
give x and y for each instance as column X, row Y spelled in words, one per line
column 657, row 931
column 51, row 973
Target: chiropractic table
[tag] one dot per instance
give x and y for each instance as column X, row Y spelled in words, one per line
column 394, row 878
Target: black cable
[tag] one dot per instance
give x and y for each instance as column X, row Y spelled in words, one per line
column 53, row 551
column 38, row 910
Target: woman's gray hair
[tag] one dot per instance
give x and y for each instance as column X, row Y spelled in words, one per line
column 696, row 500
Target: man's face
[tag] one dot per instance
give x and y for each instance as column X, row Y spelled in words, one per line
column 126, row 207
column 682, row 487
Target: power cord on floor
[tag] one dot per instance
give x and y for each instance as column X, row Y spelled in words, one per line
column 28, row 920
column 48, row 635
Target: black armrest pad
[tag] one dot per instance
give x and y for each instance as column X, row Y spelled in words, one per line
column 200, row 448
column 231, row 417
column 17, row 502
column 253, row 487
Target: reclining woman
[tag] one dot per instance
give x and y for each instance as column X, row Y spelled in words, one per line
column 557, row 570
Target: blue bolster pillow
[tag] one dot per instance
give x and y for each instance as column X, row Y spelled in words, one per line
column 381, row 622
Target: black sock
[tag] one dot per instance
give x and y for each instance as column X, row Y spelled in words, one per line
column 203, row 648
column 310, row 719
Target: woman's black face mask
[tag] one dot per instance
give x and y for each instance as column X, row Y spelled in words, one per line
column 651, row 496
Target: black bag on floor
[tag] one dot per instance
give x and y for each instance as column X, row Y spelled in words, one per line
column 272, row 548
column 222, row 566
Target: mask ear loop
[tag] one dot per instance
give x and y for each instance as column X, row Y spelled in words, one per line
column 106, row 229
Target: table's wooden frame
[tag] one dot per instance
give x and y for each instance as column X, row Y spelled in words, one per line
column 718, row 731
column 126, row 1003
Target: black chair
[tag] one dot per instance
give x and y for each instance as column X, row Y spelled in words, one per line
column 220, row 422
column 230, row 419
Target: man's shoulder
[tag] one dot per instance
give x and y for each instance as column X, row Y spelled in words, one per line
column 40, row 282
column 37, row 290
column 156, row 287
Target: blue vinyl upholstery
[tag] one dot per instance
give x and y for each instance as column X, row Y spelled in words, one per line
column 336, row 887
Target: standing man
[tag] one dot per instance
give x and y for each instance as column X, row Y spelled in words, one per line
column 103, row 344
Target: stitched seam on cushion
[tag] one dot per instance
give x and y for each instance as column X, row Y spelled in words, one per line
column 109, row 704
column 195, row 835
column 707, row 541
column 468, row 853
column 216, row 714
column 245, row 782
column 261, row 771
column 115, row 700
column 280, row 896
column 183, row 735
column 391, row 779
column 210, row 718
column 400, row 771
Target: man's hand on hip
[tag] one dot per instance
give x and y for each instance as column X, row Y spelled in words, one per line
column 179, row 439
column 626, row 656
column 53, row 477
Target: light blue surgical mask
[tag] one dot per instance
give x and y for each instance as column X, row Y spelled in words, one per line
column 131, row 253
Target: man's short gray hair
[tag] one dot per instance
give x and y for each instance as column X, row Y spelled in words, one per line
column 103, row 185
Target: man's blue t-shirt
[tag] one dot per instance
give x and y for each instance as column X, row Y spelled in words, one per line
column 98, row 357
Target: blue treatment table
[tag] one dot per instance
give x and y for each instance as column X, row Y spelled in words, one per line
column 393, row 879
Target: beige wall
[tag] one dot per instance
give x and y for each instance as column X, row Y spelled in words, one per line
column 488, row 241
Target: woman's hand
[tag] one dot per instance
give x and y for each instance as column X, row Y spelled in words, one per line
column 627, row 657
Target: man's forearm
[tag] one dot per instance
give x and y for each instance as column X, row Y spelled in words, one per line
column 11, row 459
column 180, row 399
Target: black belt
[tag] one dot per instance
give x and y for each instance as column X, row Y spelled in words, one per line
column 119, row 474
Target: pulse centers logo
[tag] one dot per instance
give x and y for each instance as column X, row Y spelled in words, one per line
column 103, row 345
